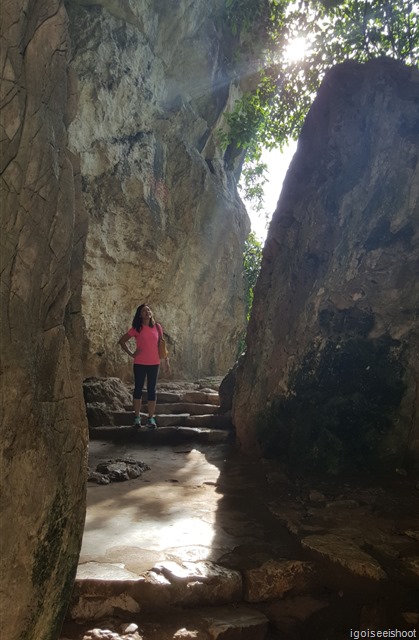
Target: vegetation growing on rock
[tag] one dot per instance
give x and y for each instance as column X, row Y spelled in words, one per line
column 340, row 404
column 327, row 32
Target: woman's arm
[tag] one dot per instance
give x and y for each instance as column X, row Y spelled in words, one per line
column 165, row 361
column 166, row 366
column 123, row 343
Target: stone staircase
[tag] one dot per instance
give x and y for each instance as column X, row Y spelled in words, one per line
column 185, row 412
column 285, row 559
column 206, row 600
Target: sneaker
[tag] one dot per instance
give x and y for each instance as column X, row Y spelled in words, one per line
column 137, row 422
column 151, row 423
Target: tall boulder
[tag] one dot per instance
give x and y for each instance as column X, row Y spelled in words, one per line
column 166, row 225
column 44, row 434
column 330, row 378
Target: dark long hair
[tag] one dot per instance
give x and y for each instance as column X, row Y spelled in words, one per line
column 137, row 321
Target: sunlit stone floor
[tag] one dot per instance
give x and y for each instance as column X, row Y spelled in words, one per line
column 170, row 512
column 207, row 503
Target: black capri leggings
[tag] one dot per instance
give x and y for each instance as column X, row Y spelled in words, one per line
column 140, row 373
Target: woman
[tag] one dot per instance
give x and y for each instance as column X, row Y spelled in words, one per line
column 146, row 332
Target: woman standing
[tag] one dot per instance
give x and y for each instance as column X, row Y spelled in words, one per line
column 146, row 333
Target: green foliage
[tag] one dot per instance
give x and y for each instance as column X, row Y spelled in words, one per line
column 334, row 31
column 340, row 406
column 252, row 259
column 253, row 179
column 255, row 17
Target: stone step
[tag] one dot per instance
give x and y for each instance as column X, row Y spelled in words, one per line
column 200, row 397
column 175, row 407
column 126, row 418
column 164, row 396
column 102, row 590
column 228, row 622
column 162, row 435
column 188, row 407
column 169, row 419
column 106, row 587
column 194, row 397
column 210, row 421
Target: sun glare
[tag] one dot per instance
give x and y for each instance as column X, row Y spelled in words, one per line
column 296, row 49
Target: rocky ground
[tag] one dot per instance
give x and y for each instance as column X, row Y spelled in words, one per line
column 290, row 558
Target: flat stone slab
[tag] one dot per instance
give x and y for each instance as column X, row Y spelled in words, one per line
column 186, row 407
column 171, row 412
column 101, row 574
column 126, row 418
column 170, row 420
column 411, row 567
column 200, row 397
column 103, row 589
column 164, row 396
column 94, row 599
column 201, row 583
column 210, row 421
column 173, row 408
column 163, row 435
column 169, row 510
column 413, row 534
column 240, row 623
column 204, row 623
column 273, row 579
column 346, row 554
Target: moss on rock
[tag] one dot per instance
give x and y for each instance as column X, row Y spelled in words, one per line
column 340, row 405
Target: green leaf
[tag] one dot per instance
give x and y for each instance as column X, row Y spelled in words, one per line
column 335, row 30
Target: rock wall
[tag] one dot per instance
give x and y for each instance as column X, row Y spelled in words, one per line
column 166, row 225
column 44, row 435
column 330, row 379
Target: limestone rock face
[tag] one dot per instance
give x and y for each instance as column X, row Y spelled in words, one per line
column 44, row 432
column 166, row 225
column 332, row 345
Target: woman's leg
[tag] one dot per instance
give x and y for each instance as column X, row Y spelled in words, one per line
column 140, row 371
column 151, row 404
column 152, row 373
